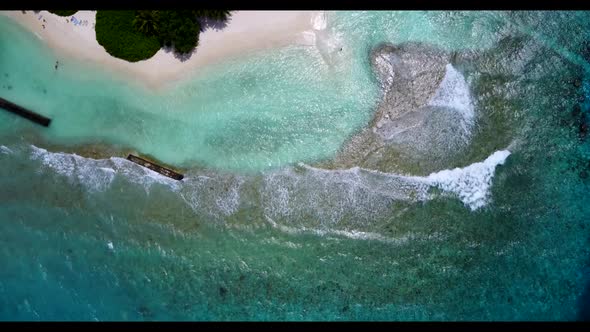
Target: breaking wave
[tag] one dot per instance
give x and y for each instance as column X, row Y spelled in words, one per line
column 301, row 196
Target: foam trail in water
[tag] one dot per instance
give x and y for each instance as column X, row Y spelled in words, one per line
column 357, row 235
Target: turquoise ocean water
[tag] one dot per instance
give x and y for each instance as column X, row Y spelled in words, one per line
column 258, row 230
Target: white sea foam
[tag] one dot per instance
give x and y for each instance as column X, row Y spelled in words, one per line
column 303, row 197
column 357, row 235
column 453, row 93
column 74, row 166
column 215, row 196
column 472, row 183
column 328, row 42
column 107, row 169
column 141, row 175
column 229, row 203
column 5, row 150
column 319, row 21
column 98, row 174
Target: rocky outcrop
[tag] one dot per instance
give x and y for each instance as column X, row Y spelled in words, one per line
column 410, row 75
column 425, row 109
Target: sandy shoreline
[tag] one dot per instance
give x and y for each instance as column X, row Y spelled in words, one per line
column 246, row 31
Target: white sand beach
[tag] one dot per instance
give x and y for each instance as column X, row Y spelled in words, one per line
column 246, row 31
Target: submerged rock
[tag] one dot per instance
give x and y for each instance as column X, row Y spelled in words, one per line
column 418, row 82
column 425, row 109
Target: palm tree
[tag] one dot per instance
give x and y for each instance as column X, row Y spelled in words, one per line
column 217, row 15
column 146, row 21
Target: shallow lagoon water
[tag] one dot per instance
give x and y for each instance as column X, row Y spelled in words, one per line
column 257, row 231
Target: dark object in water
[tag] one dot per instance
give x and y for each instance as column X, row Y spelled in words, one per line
column 145, row 311
column 581, row 121
column 577, row 111
column 583, row 129
column 583, row 125
column 156, row 168
column 25, row 113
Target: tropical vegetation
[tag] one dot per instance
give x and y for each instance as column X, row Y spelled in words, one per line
column 115, row 31
column 138, row 35
column 63, row 12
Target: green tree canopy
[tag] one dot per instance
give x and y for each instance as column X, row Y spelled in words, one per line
column 178, row 28
column 146, row 22
column 115, row 32
column 137, row 35
column 63, row 12
column 219, row 15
